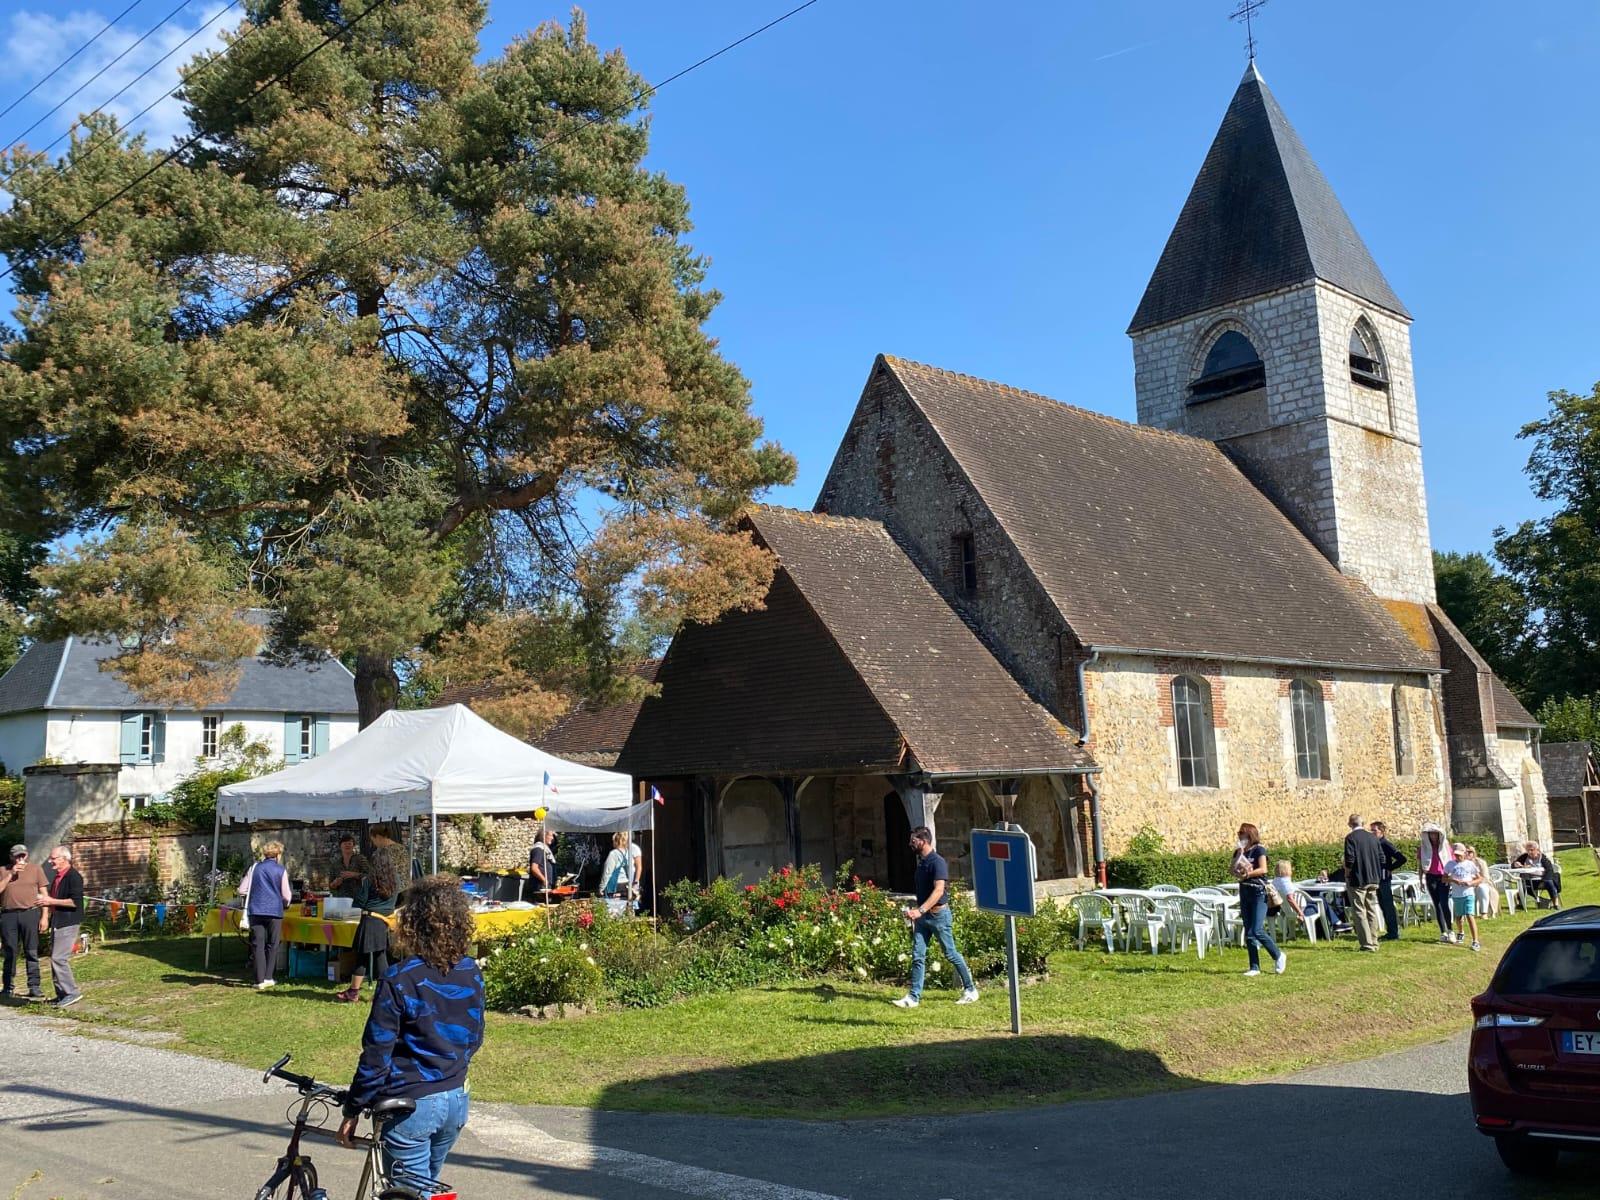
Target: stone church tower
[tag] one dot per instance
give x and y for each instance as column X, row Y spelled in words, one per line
column 1268, row 329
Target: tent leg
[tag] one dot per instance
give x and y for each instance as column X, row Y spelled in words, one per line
column 216, row 836
column 434, row 822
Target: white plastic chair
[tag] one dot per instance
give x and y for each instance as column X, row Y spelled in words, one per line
column 1187, row 919
column 1096, row 913
column 1215, row 903
column 1404, row 886
column 1166, row 889
column 1508, row 884
column 1146, row 914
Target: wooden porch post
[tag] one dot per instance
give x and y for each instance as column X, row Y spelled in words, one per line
column 920, row 801
column 791, row 817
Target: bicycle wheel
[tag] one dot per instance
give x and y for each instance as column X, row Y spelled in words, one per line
column 300, row 1184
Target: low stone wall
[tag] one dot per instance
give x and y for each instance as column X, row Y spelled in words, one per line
column 483, row 843
column 117, row 859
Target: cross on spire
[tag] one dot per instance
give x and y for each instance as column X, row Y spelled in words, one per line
column 1246, row 12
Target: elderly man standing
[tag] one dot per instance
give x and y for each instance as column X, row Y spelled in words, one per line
column 1363, row 872
column 20, row 889
column 64, row 900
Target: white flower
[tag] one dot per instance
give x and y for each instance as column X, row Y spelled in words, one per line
column 583, row 945
column 934, row 967
column 543, row 960
column 902, row 958
column 861, row 971
column 877, row 941
column 788, row 941
column 589, row 959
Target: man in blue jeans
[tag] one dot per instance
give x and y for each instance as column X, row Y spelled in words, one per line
column 930, row 918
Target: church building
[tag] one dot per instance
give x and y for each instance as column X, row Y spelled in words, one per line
column 1005, row 605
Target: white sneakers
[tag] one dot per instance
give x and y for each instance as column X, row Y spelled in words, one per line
column 265, row 984
column 970, row 996
column 1253, row 971
column 1477, row 946
column 1281, row 963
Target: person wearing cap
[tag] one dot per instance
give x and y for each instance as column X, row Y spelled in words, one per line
column 1465, row 876
column 20, row 888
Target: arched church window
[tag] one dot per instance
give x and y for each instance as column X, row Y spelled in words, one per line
column 1232, row 365
column 1366, row 356
column 1310, row 730
column 1196, row 734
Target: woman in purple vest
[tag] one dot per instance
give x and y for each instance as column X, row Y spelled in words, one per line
column 265, row 891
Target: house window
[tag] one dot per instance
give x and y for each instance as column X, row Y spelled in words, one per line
column 965, row 560
column 1310, row 730
column 208, row 736
column 144, row 738
column 1232, row 365
column 1366, row 356
column 1404, row 763
column 304, row 736
column 1196, row 735
column 135, row 803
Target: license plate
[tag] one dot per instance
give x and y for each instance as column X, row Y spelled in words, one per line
column 1575, row 1042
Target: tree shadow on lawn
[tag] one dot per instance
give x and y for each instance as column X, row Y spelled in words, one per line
column 1181, row 1137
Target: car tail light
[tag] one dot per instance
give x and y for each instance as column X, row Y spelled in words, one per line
column 1505, row 1020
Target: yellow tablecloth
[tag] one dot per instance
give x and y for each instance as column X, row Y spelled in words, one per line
column 314, row 931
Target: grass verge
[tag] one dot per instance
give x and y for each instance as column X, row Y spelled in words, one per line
column 1101, row 1025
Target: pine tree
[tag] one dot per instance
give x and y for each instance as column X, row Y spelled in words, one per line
column 401, row 339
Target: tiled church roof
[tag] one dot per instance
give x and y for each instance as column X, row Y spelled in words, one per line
column 1150, row 540
column 1259, row 217
column 855, row 664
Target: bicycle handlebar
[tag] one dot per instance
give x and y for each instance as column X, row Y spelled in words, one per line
column 306, row 1085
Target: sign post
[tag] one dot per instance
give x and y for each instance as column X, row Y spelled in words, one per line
column 1003, row 872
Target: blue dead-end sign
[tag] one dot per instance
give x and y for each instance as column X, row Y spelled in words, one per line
column 1003, row 870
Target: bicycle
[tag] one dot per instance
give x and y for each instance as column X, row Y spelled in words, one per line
column 296, row 1169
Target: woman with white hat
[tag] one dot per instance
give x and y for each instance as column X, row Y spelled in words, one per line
column 1434, row 857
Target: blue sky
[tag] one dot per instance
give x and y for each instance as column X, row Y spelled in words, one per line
column 987, row 188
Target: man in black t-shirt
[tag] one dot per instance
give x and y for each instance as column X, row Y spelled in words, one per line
column 930, row 918
column 542, row 864
column 65, row 904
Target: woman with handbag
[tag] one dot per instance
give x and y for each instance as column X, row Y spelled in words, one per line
column 388, row 871
column 1250, row 869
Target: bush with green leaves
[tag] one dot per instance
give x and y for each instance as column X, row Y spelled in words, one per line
column 542, row 971
column 1210, row 867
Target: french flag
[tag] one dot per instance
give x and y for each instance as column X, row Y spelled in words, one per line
column 655, row 794
column 550, row 787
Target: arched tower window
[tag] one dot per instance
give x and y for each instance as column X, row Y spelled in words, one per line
column 1404, row 761
column 1310, row 730
column 1197, row 739
column 1232, row 365
column 1366, row 356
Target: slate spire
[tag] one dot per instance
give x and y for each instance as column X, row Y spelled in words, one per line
column 1260, row 216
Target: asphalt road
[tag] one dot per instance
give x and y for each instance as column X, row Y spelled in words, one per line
column 84, row 1117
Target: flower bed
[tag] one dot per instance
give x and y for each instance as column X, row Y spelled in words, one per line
column 788, row 926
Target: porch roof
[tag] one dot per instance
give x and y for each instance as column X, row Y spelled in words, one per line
column 856, row 664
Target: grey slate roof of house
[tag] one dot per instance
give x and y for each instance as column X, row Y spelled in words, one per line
column 1149, row 540
column 856, row 664
column 1259, row 217
column 1508, row 710
column 67, row 675
column 1565, row 767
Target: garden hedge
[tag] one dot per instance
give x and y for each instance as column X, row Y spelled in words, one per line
column 1206, row 868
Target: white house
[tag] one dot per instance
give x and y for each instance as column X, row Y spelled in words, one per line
column 56, row 703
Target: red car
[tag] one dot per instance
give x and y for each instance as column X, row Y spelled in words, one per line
column 1534, row 1067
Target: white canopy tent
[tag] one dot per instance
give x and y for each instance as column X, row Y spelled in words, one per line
column 433, row 762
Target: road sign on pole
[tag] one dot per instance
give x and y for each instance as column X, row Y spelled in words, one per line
column 1003, row 871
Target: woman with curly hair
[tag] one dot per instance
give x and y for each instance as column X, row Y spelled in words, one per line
column 425, row 1025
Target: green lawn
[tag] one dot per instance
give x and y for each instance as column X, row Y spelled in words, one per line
column 1101, row 1025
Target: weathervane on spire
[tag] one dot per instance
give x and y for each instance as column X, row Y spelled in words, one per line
column 1246, row 12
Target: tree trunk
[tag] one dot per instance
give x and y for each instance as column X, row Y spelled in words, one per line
column 377, row 687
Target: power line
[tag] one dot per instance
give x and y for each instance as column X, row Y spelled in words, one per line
column 44, row 79
column 142, row 37
column 543, row 145
column 187, row 143
column 110, row 100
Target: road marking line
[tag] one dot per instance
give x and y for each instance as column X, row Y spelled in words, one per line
column 516, row 1134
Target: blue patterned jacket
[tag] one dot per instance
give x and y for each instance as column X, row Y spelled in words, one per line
column 425, row 1026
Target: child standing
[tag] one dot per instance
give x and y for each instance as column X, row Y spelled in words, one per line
column 1465, row 875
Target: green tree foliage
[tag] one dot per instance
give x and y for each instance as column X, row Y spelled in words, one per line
column 1571, row 718
column 193, row 800
column 1489, row 607
column 407, row 337
column 1555, row 561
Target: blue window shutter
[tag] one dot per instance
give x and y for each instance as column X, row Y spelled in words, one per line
column 291, row 738
column 319, row 736
column 132, row 727
column 158, row 737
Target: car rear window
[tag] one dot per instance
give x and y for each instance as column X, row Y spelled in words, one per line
column 1551, row 962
